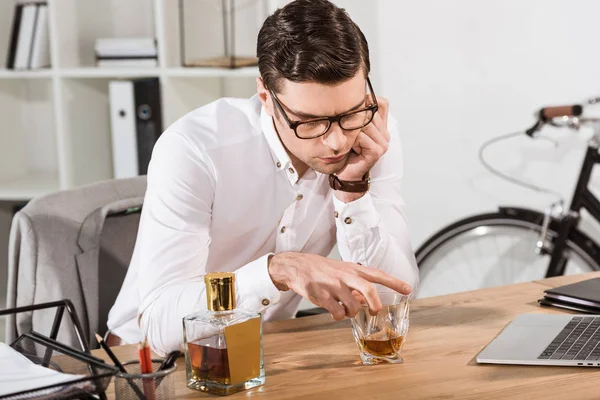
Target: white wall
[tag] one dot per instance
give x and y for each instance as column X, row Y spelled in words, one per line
column 460, row 72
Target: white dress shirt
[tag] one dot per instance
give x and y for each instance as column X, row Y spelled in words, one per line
column 222, row 195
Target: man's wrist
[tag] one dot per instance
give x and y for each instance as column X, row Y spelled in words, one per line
column 358, row 185
column 347, row 197
column 276, row 272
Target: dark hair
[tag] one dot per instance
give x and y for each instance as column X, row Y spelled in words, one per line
column 310, row 41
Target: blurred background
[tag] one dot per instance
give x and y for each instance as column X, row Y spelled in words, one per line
column 456, row 72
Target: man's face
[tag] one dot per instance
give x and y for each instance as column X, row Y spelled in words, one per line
column 305, row 101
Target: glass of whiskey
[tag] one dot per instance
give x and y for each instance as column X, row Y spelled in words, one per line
column 380, row 337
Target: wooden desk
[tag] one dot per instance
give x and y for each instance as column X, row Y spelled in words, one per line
column 316, row 358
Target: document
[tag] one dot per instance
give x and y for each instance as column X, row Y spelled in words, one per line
column 18, row 373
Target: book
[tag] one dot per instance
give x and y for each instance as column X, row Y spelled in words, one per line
column 126, row 62
column 125, row 47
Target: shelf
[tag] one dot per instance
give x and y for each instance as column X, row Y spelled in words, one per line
column 27, row 144
column 86, row 125
column 28, row 186
column 206, row 72
column 25, row 74
column 56, row 119
column 79, row 23
column 199, row 72
column 92, row 72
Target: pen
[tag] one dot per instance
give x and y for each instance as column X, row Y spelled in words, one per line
column 170, row 360
column 112, row 356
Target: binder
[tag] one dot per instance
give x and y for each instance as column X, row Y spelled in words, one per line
column 148, row 119
column 136, row 124
column 122, row 122
column 25, row 38
column 40, row 47
column 14, row 37
column 29, row 44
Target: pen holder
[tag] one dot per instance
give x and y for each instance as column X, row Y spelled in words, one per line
column 134, row 385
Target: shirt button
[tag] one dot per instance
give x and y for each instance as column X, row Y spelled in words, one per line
column 299, row 197
column 291, row 170
column 283, row 229
column 266, row 302
column 348, row 220
column 336, row 214
column 278, row 164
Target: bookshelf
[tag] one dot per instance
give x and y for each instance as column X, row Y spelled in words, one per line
column 55, row 131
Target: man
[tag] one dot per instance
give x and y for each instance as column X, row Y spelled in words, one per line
column 265, row 186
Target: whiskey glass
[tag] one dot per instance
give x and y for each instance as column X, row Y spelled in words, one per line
column 380, row 337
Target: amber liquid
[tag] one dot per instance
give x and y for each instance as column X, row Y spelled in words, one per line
column 382, row 346
column 209, row 363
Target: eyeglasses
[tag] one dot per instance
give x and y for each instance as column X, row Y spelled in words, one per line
column 317, row 127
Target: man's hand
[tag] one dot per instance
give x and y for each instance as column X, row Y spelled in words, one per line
column 326, row 282
column 371, row 143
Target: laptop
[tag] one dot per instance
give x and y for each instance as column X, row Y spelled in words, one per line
column 584, row 294
column 546, row 339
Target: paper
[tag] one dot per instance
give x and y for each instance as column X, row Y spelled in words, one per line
column 18, row 373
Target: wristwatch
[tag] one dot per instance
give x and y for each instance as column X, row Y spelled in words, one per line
column 350, row 186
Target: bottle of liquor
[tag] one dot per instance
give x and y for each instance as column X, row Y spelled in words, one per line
column 223, row 345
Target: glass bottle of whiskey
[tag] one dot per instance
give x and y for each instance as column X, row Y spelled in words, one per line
column 223, row 345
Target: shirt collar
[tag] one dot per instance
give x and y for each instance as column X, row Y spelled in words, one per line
column 280, row 156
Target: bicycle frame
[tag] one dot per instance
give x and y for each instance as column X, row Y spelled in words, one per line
column 582, row 198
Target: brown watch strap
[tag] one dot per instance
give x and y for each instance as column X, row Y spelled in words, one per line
column 350, row 186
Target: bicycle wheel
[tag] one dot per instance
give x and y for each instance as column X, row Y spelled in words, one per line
column 495, row 249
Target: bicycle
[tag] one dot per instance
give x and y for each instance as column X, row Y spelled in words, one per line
column 517, row 244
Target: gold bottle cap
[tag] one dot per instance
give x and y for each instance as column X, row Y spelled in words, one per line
column 220, row 291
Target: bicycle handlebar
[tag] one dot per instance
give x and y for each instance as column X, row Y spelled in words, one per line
column 547, row 113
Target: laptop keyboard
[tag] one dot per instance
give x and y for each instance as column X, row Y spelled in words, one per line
column 577, row 341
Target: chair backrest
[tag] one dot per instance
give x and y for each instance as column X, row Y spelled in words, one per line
column 116, row 248
column 74, row 244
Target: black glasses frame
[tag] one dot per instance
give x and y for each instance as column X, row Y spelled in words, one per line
column 330, row 120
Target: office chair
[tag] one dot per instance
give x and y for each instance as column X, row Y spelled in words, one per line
column 72, row 244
